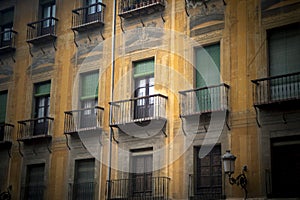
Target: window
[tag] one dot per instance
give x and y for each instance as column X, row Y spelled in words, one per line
column 3, row 102
column 142, row 174
column 144, row 87
column 284, row 50
column 6, row 25
column 42, row 107
column 84, row 187
column 208, row 74
column 48, row 10
column 89, row 99
column 285, row 163
column 93, row 9
column 34, row 189
column 208, row 174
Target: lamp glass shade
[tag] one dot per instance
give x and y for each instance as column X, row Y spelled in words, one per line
column 228, row 162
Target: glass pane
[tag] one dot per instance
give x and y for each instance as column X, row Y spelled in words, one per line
column 7, row 35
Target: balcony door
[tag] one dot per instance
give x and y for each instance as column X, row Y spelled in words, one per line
column 208, row 174
column 6, row 26
column 48, row 10
column 93, row 11
column 144, row 87
column 285, row 161
column 42, row 108
column 35, row 182
column 208, row 74
column 84, row 187
column 3, row 102
column 142, row 175
column 88, row 100
column 284, row 51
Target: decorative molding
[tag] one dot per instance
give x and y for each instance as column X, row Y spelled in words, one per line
column 208, row 29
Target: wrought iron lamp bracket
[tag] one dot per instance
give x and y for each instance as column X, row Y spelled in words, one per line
column 240, row 180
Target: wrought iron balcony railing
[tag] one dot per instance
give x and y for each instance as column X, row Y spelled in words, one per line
column 42, row 30
column 7, row 41
column 82, row 191
column 5, row 132
column 88, row 16
column 132, row 8
column 139, row 188
column 35, row 128
column 138, row 109
column 203, row 193
column 276, row 89
column 204, row 100
column 83, row 119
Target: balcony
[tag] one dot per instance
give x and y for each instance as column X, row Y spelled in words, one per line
column 6, row 135
column 137, row 8
column 277, row 90
column 7, row 43
column 35, row 129
column 140, row 116
column 84, row 190
column 204, row 100
column 83, row 120
column 88, row 17
column 138, row 188
column 203, row 193
column 42, row 31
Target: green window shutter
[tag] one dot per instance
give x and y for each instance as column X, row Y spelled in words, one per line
column 42, row 89
column 208, row 65
column 284, row 49
column 89, row 86
column 3, row 102
column 143, row 68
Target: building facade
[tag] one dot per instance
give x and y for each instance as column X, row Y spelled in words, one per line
column 139, row 99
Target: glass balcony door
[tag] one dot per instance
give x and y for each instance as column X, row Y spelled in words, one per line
column 48, row 11
column 142, row 176
column 144, row 105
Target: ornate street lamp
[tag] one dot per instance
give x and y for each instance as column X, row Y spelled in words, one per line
column 229, row 165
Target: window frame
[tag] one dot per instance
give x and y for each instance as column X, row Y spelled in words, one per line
column 197, row 174
column 75, row 178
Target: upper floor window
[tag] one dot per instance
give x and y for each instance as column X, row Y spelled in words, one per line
column 142, row 174
column 208, row 65
column 89, row 90
column 84, row 186
column 35, row 182
column 95, row 8
column 207, row 77
column 48, row 11
column 208, row 174
column 42, row 107
column 144, row 87
column 3, row 102
column 89, row 99
column 6, row 25
column 284, row 49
